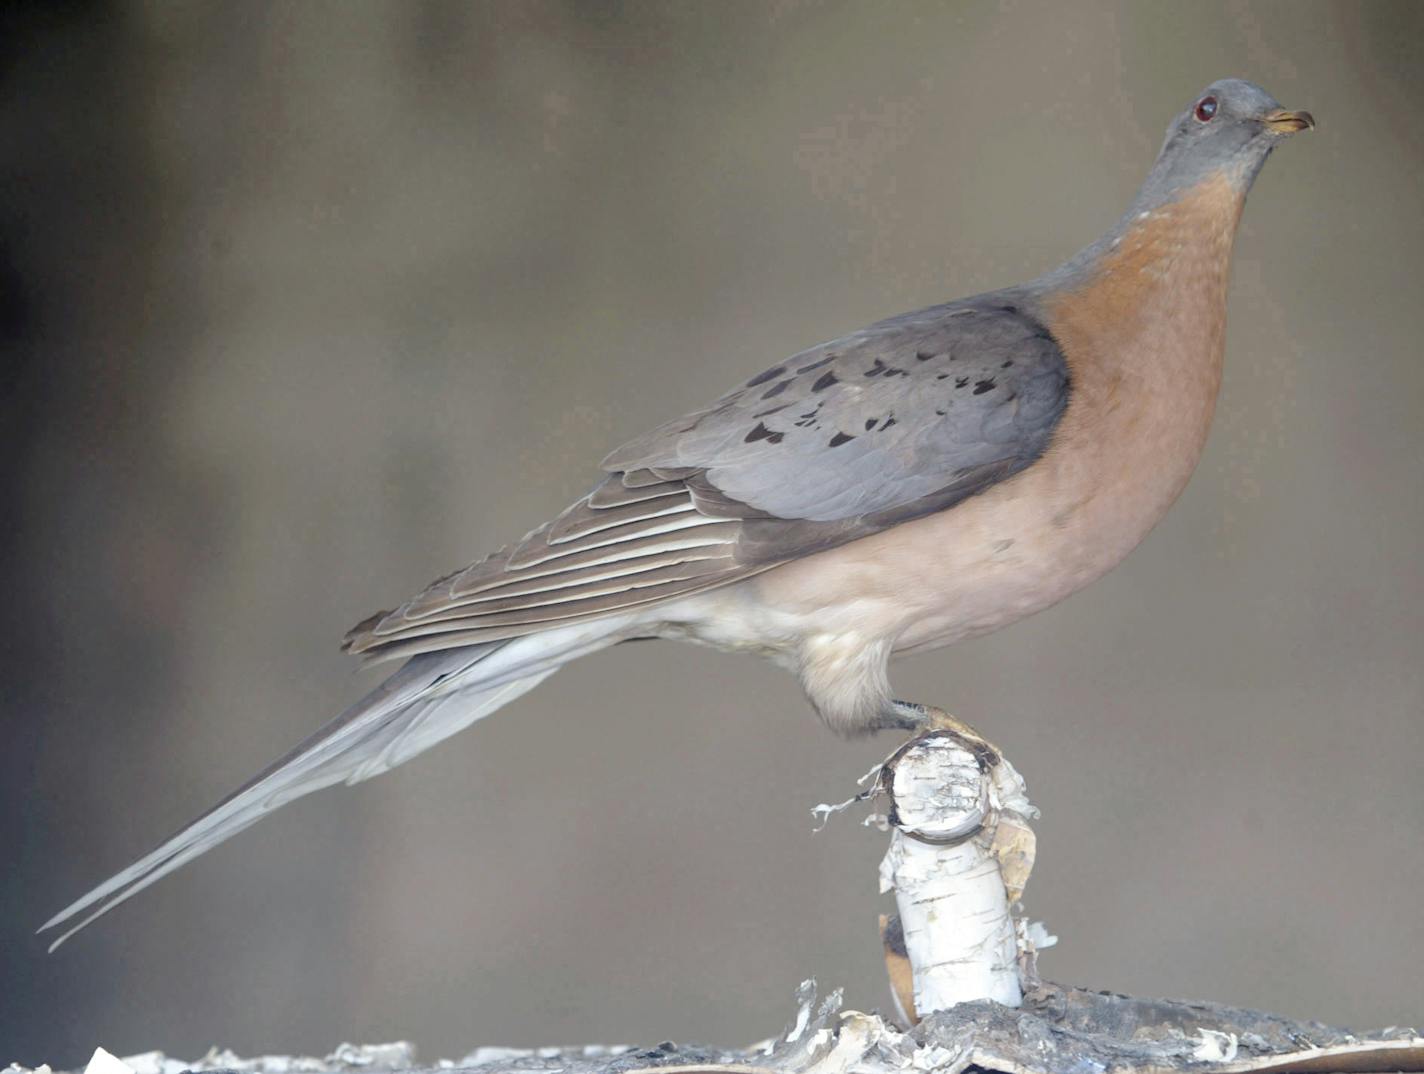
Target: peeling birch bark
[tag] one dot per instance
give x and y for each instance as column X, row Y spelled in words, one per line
column 961, row 850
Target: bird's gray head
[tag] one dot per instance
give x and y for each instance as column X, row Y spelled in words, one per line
column 1227, row 131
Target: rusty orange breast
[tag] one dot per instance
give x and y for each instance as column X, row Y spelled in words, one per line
column 1144, row 334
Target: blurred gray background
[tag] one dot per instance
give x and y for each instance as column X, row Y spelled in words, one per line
column 306, row 304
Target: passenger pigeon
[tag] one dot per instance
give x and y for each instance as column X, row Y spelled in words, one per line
column 929, row 478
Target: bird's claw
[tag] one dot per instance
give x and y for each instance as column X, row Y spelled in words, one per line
column 922, row 718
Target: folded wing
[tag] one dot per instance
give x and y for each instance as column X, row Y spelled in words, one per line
column 902, row 419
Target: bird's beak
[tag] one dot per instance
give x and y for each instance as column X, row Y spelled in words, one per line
column 1283, row 122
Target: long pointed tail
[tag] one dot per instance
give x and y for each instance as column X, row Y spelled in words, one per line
column 428, row 699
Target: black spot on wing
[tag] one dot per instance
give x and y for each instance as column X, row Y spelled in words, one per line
column 808, row 420
column 839, row 439
column 777, row 388
column 879, row 367
column 985, row 385
column 816, row 364
column 825, row 381
column 761, row 432
column 770, row 374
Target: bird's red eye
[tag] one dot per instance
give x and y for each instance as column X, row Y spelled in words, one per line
column 1206, row 108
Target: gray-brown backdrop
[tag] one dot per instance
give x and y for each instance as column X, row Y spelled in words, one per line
column 306, row 304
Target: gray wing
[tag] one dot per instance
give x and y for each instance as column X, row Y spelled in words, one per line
column 896, row 421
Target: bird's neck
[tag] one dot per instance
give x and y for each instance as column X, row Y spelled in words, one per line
column 1156, row 281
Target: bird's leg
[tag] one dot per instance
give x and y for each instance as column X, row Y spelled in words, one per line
column 910, row 716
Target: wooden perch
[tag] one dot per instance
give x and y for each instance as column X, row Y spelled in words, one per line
column 961, row 850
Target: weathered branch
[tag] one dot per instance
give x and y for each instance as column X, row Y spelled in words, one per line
column 1055, row 1031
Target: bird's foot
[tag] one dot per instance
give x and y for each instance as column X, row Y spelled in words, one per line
column 910, row 716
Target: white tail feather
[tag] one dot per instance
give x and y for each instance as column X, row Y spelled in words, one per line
column 430, row 698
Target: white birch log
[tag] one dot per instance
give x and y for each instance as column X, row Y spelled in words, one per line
column 960, row 853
